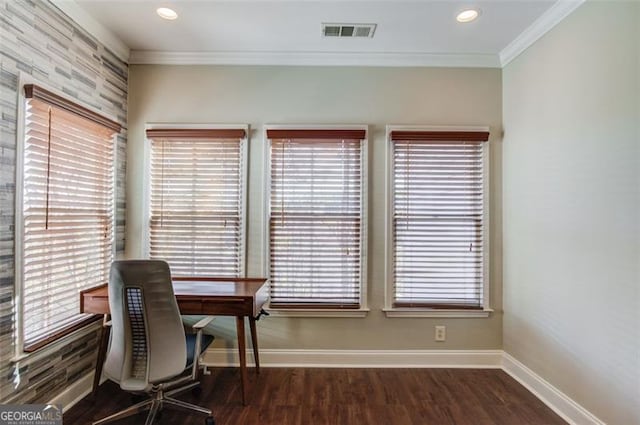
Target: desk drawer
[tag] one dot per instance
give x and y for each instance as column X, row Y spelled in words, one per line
column 227, row 307
column 188, row 307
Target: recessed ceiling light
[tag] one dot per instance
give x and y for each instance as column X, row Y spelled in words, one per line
column 166, row 13
column 467, row 15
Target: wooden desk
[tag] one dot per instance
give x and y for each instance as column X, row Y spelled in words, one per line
column 239, row 297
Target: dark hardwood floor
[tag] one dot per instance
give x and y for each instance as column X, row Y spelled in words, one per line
column 345, row 396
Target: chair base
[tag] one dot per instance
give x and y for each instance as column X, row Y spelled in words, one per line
column 155, row 404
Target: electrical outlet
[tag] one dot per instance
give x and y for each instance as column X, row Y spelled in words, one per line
column 441, row 333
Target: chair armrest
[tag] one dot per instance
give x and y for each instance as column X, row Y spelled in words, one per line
column 202, row 323
column 196, row 355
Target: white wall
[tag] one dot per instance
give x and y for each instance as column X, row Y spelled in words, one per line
column 326, row 95
column 571, row 161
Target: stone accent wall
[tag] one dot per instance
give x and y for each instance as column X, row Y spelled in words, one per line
column 40, row 41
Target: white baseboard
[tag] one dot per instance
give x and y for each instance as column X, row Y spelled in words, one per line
column 557, row 401
column 74, row 392
column 224, row 357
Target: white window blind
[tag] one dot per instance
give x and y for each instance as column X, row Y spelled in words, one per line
column 196, row 218
column 438, row 213
column 68, row 212
column 315, row 223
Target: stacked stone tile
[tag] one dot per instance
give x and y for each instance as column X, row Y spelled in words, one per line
column 38, row 40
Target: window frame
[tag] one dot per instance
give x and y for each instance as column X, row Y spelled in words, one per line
column 400, row 312
column 244, row 175
column 364, row 208
column 81, row 326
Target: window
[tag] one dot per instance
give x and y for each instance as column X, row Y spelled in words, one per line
column 197, row 200
column 316, row 218
column 438, row 241
column 66, row 236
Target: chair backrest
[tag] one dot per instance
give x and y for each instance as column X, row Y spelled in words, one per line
column 147, row 336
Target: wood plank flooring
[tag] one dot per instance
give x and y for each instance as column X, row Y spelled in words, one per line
column 295, row 396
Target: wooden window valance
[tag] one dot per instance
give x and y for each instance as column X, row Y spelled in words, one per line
column 196, row 133
column 444, row 136
column 33, row 91
column 334, row 134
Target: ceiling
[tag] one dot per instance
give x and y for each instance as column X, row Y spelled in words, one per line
column 289, row 31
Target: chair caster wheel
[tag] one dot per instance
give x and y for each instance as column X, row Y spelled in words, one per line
column 209, row 421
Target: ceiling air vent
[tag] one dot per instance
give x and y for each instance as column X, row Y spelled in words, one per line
column 348, row 30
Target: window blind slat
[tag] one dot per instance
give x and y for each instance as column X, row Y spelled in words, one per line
column 315, row 219
column 438, row 210
column 196, row 221
column 85, row 148
column 68, row 214
column 68, row 289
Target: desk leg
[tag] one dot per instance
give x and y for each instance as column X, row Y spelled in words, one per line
column 243, row 357
column 254, row 342
column 102, row 351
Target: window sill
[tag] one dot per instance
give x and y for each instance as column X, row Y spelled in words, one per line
column 425, row 312
column 58, row 343
column 360, row 312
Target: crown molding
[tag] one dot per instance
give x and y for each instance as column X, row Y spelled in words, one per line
column 314, row 59
column 105, row 36
column 547, row 21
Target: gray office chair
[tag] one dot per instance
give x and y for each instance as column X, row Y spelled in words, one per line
column 149, row 351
